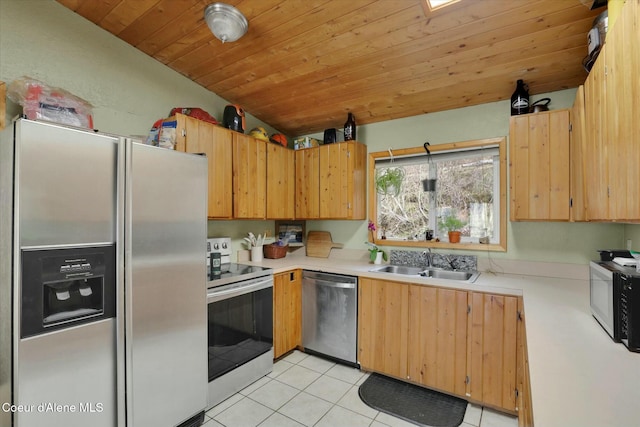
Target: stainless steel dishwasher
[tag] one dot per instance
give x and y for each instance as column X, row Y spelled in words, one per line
column 329, row 315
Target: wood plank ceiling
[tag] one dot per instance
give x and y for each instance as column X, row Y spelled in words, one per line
column 305, row 63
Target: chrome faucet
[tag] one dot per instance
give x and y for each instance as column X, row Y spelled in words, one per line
column 429, row 257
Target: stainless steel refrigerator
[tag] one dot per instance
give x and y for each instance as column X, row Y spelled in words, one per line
column 102, row 281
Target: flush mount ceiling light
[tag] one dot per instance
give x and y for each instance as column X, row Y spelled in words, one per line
column 226, row 22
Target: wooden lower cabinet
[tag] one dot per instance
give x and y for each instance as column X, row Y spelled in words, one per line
column 287, row 312
column 383, row 326
column 438, row 338
column 492, row 351
column 523, row 399
column 459, row 342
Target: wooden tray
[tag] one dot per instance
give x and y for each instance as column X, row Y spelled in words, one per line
column 319, row 244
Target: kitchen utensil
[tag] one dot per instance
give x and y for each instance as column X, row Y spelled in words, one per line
column 540, row 105
column 259, row 133
column 330, row 136
column 233, row 118
column 278, row 138
column 320, row 243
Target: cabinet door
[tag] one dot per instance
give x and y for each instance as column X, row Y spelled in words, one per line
column 524, row 407
column 621, row 79
column 382, row 326
column 596, row 163
column 438, row 338
column 287, row 312
column 342, row 180
column 493, row 350
column 197, row 136
column 249, row 177
column 307, row 183
column 539, row 164
column 280, row 182
column 576, row 154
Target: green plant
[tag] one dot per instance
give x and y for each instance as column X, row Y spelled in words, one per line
column 389, row 181
column 373, row 253
column 451, row 223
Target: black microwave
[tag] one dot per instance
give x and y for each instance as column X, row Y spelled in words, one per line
column 615, row 301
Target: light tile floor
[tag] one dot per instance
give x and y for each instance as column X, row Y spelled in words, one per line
column 305, row 390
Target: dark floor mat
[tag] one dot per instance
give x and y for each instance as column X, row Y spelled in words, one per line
column 415, row 404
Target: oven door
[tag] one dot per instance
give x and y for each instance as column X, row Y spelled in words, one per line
column 240, row 324
column 602, row 294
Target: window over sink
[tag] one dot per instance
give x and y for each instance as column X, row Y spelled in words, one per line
column 417, row 194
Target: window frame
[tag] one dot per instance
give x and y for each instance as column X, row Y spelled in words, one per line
column 501, row 246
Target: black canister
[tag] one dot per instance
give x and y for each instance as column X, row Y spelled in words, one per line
column 520, row 99
column 216, row 263
column 350, row 128
column 330, row 136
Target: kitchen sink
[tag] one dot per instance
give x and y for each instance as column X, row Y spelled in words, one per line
column 399, row 269
column 435, row 273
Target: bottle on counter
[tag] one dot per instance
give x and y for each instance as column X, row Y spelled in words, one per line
column 350, row 128
column 520, row 99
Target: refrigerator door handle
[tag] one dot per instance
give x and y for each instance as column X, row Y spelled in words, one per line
column 125, row 362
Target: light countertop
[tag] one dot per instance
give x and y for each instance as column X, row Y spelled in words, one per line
column 579, row 376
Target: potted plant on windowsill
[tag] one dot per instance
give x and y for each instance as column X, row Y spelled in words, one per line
column 453, row 225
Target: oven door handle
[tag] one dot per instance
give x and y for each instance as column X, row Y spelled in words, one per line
column 237, row 289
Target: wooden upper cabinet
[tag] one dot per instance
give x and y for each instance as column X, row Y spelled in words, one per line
column 438, row 338
column 577, row 143
column 383, row 326
column 539, row 166
column 622, row 90
column 612, row 126
column 492, row 342
column 307, row 183
column 197, row 136
column 597, row 176
column 330, row 181
column 280, row 182
column 249, row 177
column 342, row 180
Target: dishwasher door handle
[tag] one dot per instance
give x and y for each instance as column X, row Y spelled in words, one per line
column 331, row 284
